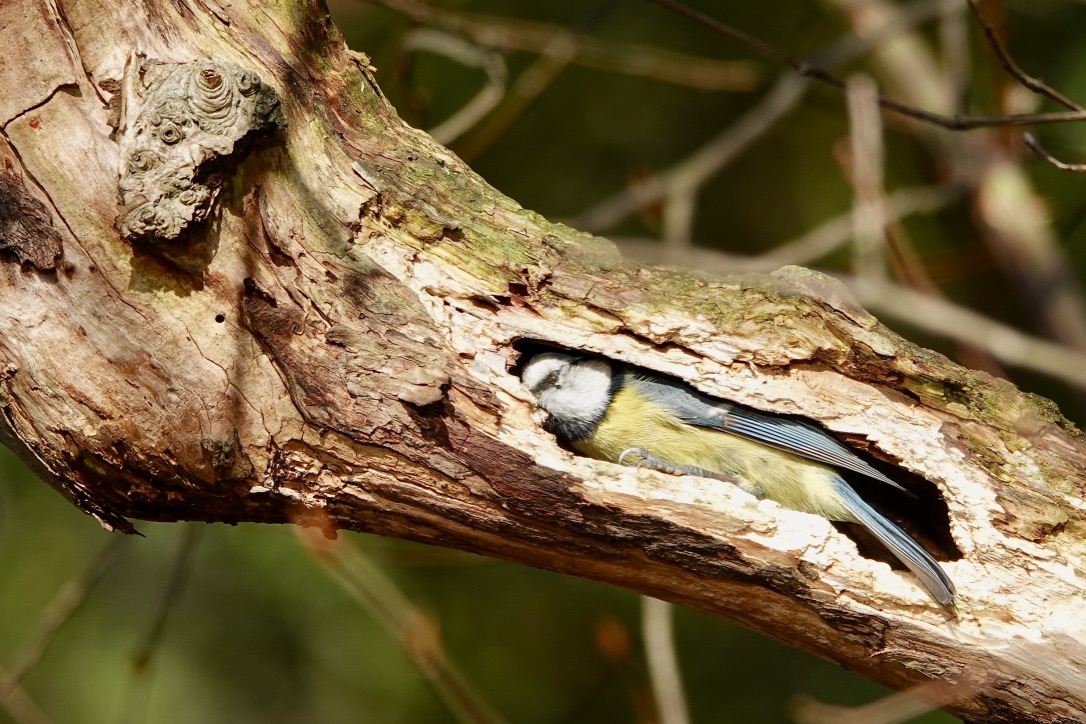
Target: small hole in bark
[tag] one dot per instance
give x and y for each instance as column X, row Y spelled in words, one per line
column 220, row 318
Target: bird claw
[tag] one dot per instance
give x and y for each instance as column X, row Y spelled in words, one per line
column 648, row 460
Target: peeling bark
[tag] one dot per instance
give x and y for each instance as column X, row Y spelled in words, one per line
column 26, row 226
column 340, row 334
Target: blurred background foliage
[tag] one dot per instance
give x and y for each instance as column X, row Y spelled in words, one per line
column 215, row 623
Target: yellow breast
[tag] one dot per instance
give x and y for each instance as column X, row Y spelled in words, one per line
column 633, row 420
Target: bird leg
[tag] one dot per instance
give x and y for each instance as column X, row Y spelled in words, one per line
column 655, row 462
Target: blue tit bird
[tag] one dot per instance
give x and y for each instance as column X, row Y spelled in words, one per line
column 611, row 413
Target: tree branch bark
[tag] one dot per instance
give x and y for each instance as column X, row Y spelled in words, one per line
column 333, row 347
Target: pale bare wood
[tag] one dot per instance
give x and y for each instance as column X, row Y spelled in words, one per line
column 339, row 340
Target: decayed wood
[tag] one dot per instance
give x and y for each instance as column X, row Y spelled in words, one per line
column 338, row 337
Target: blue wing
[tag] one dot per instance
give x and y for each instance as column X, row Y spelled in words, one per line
column 794, row 436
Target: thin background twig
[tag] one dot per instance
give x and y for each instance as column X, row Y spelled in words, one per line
column 814, row 71
column 658, row 630
column 1008, row 63
column 60, row 610
column 865, row 172
column 689, row 174
column 138, row 697
column 464, row 53
column 633, row 59
column 417, row 633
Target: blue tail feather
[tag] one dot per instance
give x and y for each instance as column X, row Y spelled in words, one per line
column 901, row 545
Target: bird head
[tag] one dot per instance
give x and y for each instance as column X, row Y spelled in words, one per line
column 574, row 390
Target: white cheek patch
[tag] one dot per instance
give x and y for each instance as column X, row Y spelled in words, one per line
column 582, row 392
